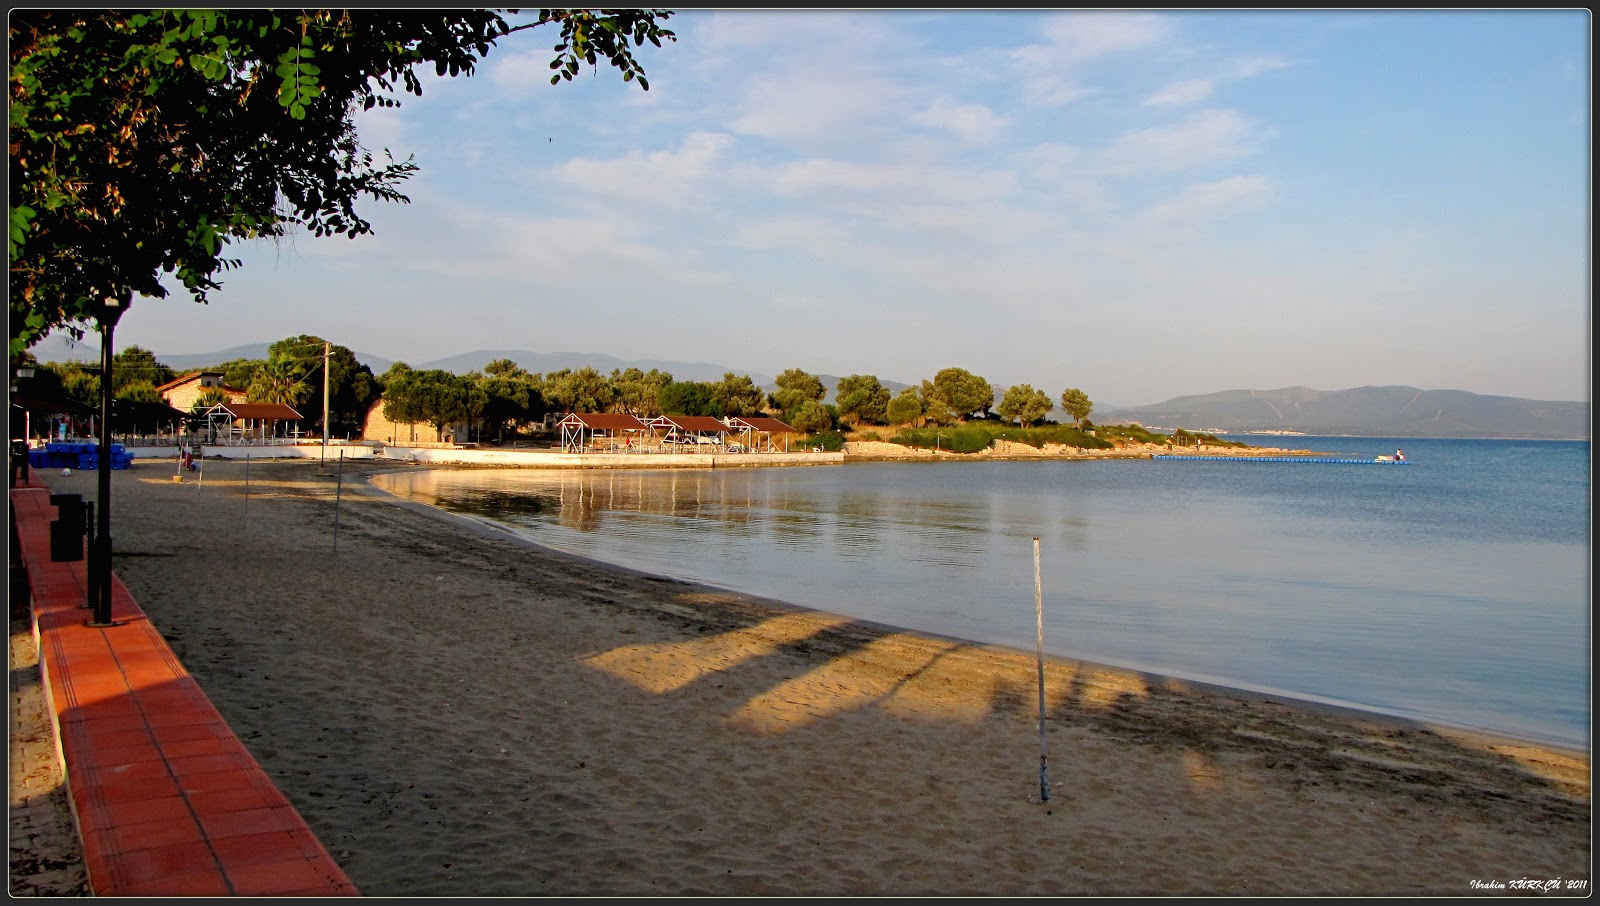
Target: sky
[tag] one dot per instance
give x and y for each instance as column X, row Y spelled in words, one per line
column 1140, row 205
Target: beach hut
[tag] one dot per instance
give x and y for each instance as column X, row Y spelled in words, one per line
column 693, row 432
column 759, row 434
column 601, row 432
column 246, row 422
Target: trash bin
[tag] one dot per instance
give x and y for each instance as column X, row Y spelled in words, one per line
column 67, row 531
column 19, row 461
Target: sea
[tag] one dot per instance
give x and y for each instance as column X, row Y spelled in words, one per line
column 1452, row 589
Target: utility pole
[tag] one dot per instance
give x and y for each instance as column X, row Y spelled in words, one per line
column 327, row 381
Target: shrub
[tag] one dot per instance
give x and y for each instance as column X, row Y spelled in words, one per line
column 832, row 441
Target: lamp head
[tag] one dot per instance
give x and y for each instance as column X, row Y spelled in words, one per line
column 112, row 305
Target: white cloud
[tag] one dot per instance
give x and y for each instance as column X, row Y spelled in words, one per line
column 1075, row 38
column 1252, row 66
column 1181, row 94
column 664, row 178
column 1204, row 137
column 1211, row 200
column 968, row 122
column 1049, row 73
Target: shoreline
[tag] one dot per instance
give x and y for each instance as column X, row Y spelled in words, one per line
column 456, row 711
column 1351, row 710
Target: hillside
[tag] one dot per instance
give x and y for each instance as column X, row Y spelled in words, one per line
column 1372, row 411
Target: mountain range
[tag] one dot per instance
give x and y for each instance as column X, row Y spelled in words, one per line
column 1363, row 411
column 1360, row 411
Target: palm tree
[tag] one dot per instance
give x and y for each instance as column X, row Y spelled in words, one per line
column 280, row 380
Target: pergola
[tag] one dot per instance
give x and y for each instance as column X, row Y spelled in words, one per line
column 247, row 420
column 758, row 432
column 691, row 429
column 581, row 431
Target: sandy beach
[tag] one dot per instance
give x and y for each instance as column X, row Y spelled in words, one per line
column 456, row 712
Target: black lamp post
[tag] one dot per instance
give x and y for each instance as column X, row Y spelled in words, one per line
column 107, row 312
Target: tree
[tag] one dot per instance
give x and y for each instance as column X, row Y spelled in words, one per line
column 82, row 386
column 280, row 380
column 1076, row 404
column 638, row 393
column 211, row 396
column 140, row 391
column 795, row 389
column 511, row 396
column 137, row 364
column 583, row 390
column 1024, row 405
column 401, row 403
column 936, row 409
column 686, row 398
column 905, row 408
column 964, row 392
column 812, row 417
column 735, row 395
column 237, row 372
column 862, row 398
column 435, row 396
column 352, row 389
column 144, row 142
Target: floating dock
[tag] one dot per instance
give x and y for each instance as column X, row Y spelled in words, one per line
column 1320, row 459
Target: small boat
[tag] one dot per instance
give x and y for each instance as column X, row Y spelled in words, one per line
column 1399, row 456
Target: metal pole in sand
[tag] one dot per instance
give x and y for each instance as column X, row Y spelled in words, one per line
column 338, row 488
column 247, row 480
column 1038, row 618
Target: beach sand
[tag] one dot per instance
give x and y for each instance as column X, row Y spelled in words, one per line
column 458, row 713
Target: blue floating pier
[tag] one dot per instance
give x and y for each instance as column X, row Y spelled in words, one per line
column 1318, row 459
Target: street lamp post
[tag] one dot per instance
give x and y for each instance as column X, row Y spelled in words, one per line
column 26, row 371
column 107, row 312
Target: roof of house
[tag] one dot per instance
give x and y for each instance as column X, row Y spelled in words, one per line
column 605, row 421
column 264, row 411
column 762, row 423
column 701, row 423
column 187, row 378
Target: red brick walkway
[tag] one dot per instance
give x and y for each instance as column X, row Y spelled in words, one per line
column 168, row 800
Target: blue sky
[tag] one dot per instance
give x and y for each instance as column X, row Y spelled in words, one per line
column 1140, row 205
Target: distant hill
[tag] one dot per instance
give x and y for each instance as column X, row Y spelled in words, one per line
column 1371, row 411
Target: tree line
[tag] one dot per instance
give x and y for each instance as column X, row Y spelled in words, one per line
column 504, row 399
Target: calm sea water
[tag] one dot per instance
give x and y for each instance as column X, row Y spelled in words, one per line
column 1453, row 589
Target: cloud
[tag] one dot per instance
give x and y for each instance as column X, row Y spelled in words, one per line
column 1204, row 137
column 1192, row 91
column 1250, row 67
column 1049, row 72
column 1211, row 200
column 1076, row 38
column 661, row 178
column 969, row 122
column 1181, row 94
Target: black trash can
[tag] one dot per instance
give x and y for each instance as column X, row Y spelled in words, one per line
column 67, row 531
column 19, row 461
